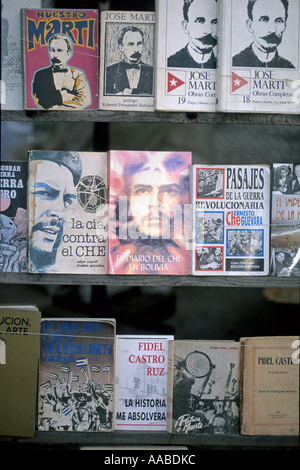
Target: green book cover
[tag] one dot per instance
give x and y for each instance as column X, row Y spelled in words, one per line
column 19, row 359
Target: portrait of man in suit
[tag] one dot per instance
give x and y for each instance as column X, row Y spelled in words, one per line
column 61, row 86
column 200, row 25
column 130, row 75
column 266, row 23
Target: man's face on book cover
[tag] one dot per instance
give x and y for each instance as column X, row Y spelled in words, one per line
column 52, row 194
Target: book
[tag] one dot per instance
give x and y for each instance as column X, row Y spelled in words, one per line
column 76, row 376
column 19, row 362
column 141, row 382
column 186, row 55
column 149, row 208
column 11, row 53
column 67, row 212
column 259, row 62
column 285, row 219
column 270, row 385
column 203, row 387
column 13, row 216
column 60, row 59
column 127, row 61
column 230, row 205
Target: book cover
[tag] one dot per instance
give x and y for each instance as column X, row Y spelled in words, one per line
column 67, row 212
column 270, row 385
column 259, row 58
column 11, row 53
column 149, row 208
column 141, row 382
column 76, row 376
column 230, row 205
column 60, row 59
column 285, row 219
column 13, row 216
column 186, row 55
column 19, row 361
column 127, row 61
column 203, row 387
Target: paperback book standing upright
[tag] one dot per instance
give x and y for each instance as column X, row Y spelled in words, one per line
column 259, row 56
column 230, row 227
column 60, row 59
column 186, row 57
column 67, row 212
column 76, row 378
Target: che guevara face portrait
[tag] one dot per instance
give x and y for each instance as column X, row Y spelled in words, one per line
column 54, row 192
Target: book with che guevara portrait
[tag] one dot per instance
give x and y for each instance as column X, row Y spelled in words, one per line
column 149, row 212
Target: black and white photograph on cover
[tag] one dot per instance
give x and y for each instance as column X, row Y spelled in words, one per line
column 192, row 33
column 209, row 227
column 129, row 59
column 286, row 178
column 245, row 242
column 210, row 183
column 61, row 86
column 209, row 258
column 265, row 33
column 53, row 177
column 203, row 401
column 285, row 262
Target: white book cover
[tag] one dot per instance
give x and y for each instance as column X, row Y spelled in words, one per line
column 67, row 212
column 186, row 40
column 127, row 61
column 230, row 211
column 12, row 52
column 259, row 59
column 141, row 382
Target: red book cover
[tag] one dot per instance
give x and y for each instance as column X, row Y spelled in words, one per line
column 149, row 212
column 60, row 59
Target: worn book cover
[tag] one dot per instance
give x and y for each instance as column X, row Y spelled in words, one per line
column 203, row 387
column 149, row 210
column 186, row 55
column 285, row 219
column 141, row 382
column 19, row 361
column 76, row 377
column 259, row 56
column 230, row 206
column 67, row 212
column 13, row 216
column 11, row 52
column 270, row 385
column 60, row 59
column 127, row 61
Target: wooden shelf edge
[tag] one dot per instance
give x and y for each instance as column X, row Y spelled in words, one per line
column 141, row 438
column 152, row 117
column 151, row 280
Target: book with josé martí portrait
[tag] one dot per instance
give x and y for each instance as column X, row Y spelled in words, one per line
column 67, row 212
column 285, row 220
column 60, row 59
column 141, row 382
column 13, row 217
column 270, row 385
column 186, row 55
column 127, row 61
column 11, row 53
column 19, row 362
column 203, row 387
column 230, row 226
column 76, row 376
column 149, row 208
column 259, row 56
